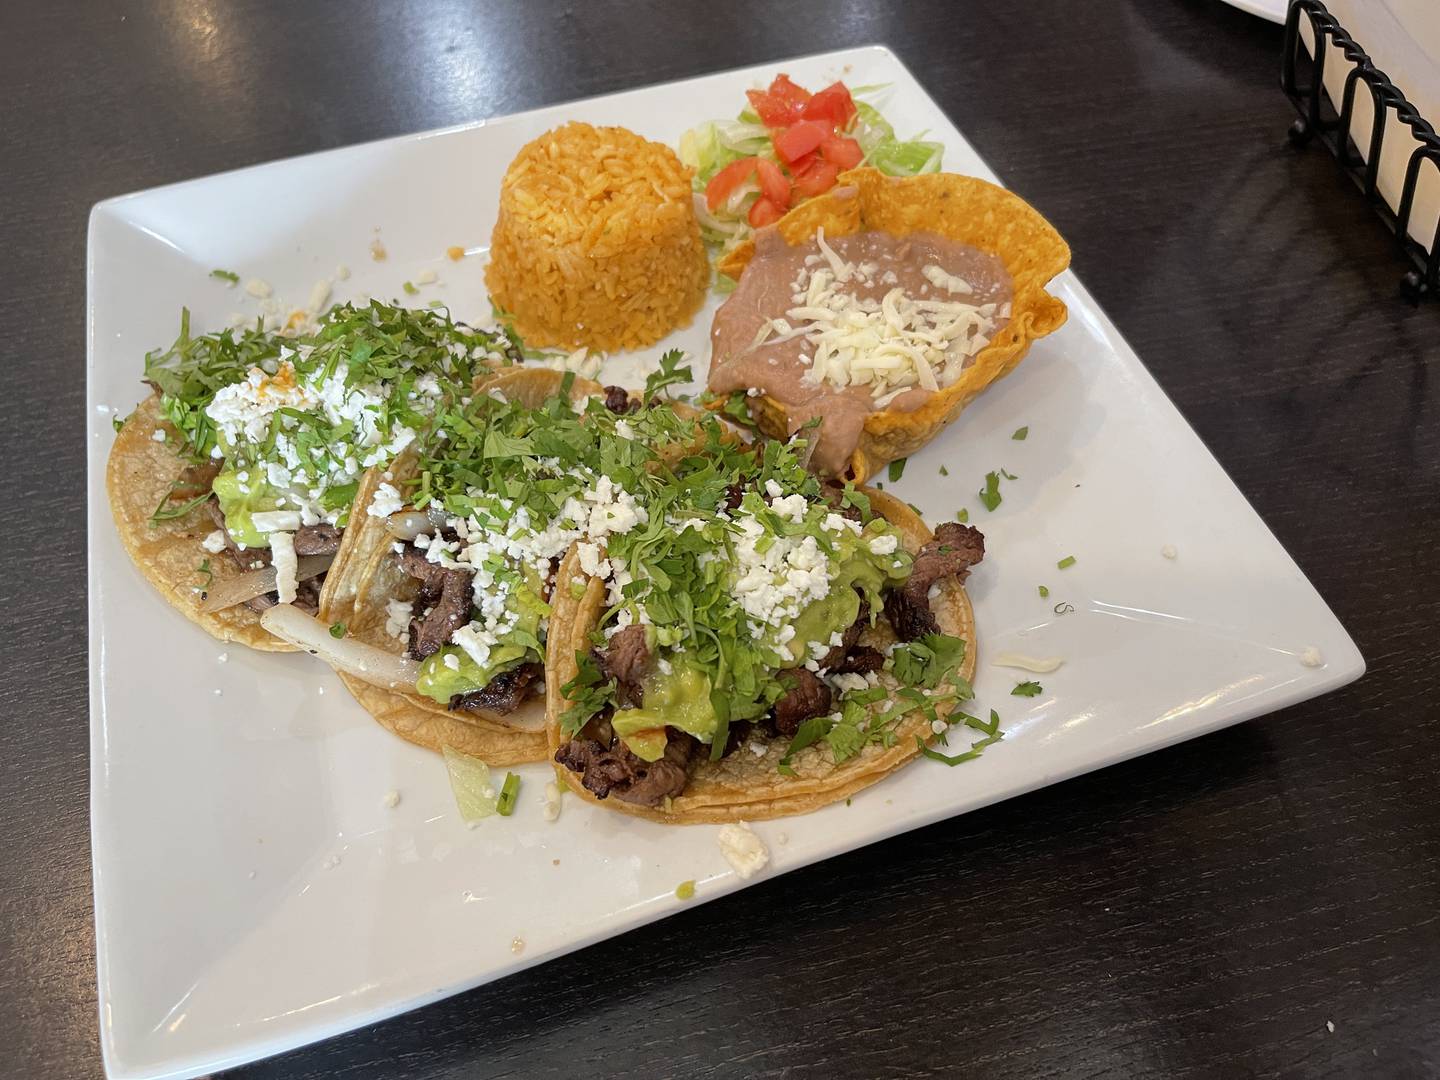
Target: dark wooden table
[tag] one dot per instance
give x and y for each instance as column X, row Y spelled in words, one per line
column 1206, row 911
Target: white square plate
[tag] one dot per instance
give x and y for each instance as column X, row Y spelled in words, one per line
column 253, row 893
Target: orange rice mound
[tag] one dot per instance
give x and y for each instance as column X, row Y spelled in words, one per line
column 596, row 243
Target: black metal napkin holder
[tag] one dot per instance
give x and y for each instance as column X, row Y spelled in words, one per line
column 1318, row 117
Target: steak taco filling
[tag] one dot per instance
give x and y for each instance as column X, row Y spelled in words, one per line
column 491, row 503
column 276, row 431
column 751, row 607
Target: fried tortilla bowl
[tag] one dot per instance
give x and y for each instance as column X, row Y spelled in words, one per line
column 139, row 475
column 364, row 579
column 742, row 785
column 959, row 208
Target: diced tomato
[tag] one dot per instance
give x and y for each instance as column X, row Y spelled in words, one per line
column 833, row 105
column 773, row 184
column 815, row 179
column 839, row 150
column 800, row 139
column 724, row 182
column 765, row 212
column 780, row 105
column 774, row 112
column 781, row 87
column 803, row 162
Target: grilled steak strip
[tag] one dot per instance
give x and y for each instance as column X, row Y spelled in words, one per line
column 832, row 660
column 626, row 659
column 807, row 696
column 442, row 605
column 503, row 694
column 617, row 400
column 616, row 771
column 953, row 551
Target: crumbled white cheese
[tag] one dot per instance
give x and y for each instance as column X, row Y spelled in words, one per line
column 743, row 850
column 270, row 521
column 624, row 430
column 159, row 435
column 550, row 801
column 319, row 297
column 1038, row 665
column 591, row 561
column 847, row 681
column 942, row 279
column 397, row 618
column 282, row 555
column 258, row 288
column 385, row 502
column 884, row 544
column 1311, row 657
column 391, row 799
column 1169, row 551
column 215, row 542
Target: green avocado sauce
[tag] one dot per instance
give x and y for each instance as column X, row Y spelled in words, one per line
column 440, row 681
column 238, row 506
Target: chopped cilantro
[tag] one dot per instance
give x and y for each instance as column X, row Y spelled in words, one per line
column 737, row 407
column 337, row 630
column 992, row 732
column 670, row 374
column 1044, row 592
column 1020, row 434
column 1029, row 688
column 928, row 660
column 203, row 570
column 1008, row 475
column 962, row 515
column 990, row 493
column 118, row 422
column 226, row 275
column 896, row 469
column 170, row 512
column 410, row 289
column 587, row 692
column 944, row 471
column 685, row 890
column 1067, row 561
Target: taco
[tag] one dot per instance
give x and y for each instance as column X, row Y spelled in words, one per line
column 762, row 653
column 233, row 484
column 456, row 585
column 883, row 307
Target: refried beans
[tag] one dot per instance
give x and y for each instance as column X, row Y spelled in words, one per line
column 768, row 336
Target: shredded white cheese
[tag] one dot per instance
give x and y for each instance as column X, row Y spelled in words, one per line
column 901, row 343
column 271, row 521
column 282, row 554
column 1039, row 665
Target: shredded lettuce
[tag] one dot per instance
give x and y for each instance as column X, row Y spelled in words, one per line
column 475, row 796
column 709, row 147
column 907, row 158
